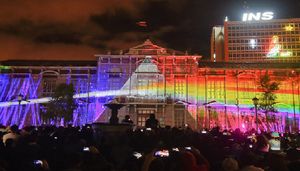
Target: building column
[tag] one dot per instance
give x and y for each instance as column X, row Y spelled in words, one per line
column 205, row 108
column 197, row 104
column 174, row 88
column 237, row 99
column 225, row 101
column 186, row 111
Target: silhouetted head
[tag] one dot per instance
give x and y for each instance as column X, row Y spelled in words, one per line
column 152, row 116
column 230, row 164
column 14, row 128
column 127, row 117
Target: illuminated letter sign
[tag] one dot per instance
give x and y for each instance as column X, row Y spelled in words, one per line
column 258, row 16
column 267, row 16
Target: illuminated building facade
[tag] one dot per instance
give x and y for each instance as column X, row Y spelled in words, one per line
column 275, row 40
column 151, row 80
column 233, row 86
column 148, row 79
column 181, row 89
column 26, row 85
column 178, row 88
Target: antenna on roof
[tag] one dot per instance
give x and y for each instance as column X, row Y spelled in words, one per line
column 245, row 5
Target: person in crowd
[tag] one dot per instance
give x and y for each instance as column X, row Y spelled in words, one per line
column 157, row 165
column 276, row 162
column 230, row 164
column 152, row 122
column 252, row 168
column 77, row 148
column 127, row 120
column 12, row 134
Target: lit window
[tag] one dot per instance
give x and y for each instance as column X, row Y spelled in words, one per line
column 252, row 43
column 49, row 86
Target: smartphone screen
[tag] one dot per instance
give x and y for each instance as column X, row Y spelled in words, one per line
column 38, row 162
column 86, row 149
column 274, row 144
column 188, row 148
column 175, row 149
column 137, row 155
column 162, row 153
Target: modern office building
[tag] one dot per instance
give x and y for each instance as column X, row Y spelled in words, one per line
column 274, row 40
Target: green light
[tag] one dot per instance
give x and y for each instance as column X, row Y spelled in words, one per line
column 4, row 67
column 276, row 50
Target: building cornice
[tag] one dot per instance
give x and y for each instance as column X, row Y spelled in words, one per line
column 244, row 65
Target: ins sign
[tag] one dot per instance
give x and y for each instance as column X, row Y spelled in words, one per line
column 258, row 16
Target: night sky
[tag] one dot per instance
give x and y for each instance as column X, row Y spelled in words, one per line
column 78, row 29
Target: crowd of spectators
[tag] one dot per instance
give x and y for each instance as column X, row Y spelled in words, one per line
column 147, row 149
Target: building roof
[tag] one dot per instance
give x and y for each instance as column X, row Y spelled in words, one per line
column 147, row 45
column 266, row 21
column 242, row 65
column 147, row 48
column 47, row 63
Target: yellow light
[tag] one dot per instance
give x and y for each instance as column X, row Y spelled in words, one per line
column 286, row 54
column 289, row 28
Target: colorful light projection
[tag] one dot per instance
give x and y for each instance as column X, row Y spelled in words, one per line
column 231, row 109
column 18, row 114
column 27, row 112
column 276, row 50
column 218, row 107
column 238, row 109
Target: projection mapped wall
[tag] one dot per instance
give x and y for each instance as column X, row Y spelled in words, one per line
column 211, row 97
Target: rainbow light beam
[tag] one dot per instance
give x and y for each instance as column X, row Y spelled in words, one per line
column 77, row 96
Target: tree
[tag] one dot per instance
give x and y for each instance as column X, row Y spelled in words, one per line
column 268, row 97
column 61, row 106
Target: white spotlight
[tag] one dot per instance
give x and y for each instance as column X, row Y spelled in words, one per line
column 252, row 43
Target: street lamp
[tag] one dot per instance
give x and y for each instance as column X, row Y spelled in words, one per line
column 238, row 111
column 255, row 102
column 208, row 109
column 19, row 99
